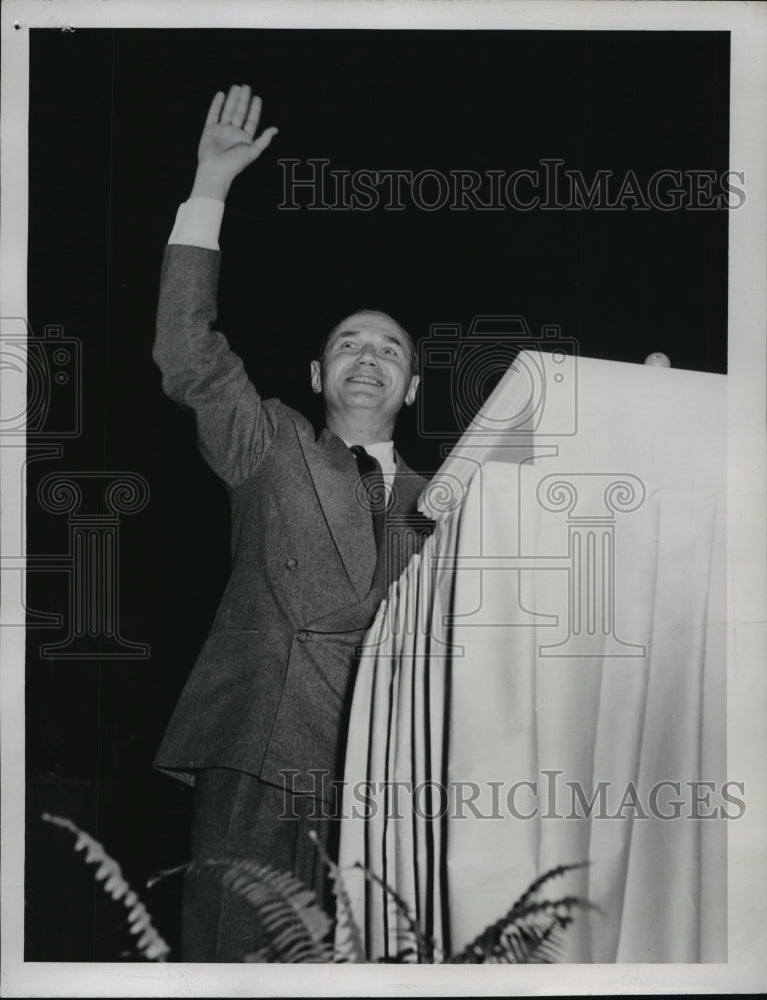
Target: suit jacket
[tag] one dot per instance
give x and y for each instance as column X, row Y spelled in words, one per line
column 270, row 687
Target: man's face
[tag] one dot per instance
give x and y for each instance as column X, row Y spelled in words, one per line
column 366, row 367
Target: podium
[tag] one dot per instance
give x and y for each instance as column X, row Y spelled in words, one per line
column 546, row 682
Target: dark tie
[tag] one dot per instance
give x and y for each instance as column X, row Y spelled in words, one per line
column 373, row 481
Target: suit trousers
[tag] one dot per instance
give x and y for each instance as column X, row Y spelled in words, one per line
column 236, row 815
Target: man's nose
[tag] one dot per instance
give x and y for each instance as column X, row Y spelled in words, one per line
column 368, row 356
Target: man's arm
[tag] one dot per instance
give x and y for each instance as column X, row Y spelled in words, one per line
column 198, row 368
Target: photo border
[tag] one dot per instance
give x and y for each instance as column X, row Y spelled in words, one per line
column 746, row 970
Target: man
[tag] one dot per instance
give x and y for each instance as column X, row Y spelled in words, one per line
column 259, row 726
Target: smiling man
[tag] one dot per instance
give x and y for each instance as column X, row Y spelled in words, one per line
column 259, row 727
column 366, row 372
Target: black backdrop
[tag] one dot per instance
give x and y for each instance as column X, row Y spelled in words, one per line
column 114, row 122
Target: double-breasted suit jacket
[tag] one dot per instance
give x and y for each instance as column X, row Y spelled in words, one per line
column 269, row 689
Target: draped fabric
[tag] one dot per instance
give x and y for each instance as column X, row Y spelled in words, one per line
column 545, row 683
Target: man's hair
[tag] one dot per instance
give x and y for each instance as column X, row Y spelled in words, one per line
column 324, row 343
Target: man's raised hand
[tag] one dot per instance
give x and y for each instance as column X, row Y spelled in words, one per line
column 228, row 143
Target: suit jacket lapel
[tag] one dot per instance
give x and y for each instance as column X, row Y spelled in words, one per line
column 408, row 487
column 335, row 476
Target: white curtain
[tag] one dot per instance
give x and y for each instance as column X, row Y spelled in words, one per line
column 547, row 679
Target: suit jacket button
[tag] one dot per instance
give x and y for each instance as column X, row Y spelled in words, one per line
column 302, row 636
column 291, row 563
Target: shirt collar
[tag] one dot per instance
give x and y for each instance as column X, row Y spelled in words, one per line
column 383, row 451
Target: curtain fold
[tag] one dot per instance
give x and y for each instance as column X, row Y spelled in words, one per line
column 545, row 685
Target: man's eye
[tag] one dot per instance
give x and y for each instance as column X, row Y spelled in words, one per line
column 389, row 350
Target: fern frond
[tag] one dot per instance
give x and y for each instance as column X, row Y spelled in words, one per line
column 530, row 931
column 528, row 943
column 165, row 873
column 547, row 877
column 150, row 944
column 287, row 911
column 347, row 946
column 426, row 949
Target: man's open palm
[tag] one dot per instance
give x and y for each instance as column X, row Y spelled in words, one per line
column 228, row 142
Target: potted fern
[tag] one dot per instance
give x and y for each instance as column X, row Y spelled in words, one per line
column 297, row 929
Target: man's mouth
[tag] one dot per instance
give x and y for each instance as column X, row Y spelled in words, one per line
column 365, row 380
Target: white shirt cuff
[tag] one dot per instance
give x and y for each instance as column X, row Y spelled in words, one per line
column 198, row 223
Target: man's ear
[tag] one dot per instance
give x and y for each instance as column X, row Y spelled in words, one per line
column 316, row 376
column 412, row 388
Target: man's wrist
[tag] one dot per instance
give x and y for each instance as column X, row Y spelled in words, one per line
column 210, row 184
column 198, row 223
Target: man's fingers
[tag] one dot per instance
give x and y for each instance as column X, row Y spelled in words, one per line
column 262, row 142
column 254, row 114
column 215, row 109
column 241, row 111
column 241, row 108
column 230, row 104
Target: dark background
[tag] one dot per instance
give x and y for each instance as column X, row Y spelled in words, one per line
column 115, row 118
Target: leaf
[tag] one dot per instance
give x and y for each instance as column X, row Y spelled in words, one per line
column 426, row 949
column 347, row 945
column 547, row 877
column 164, row 873
column 287, row 911
column 531, row 931
column 151, row 945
